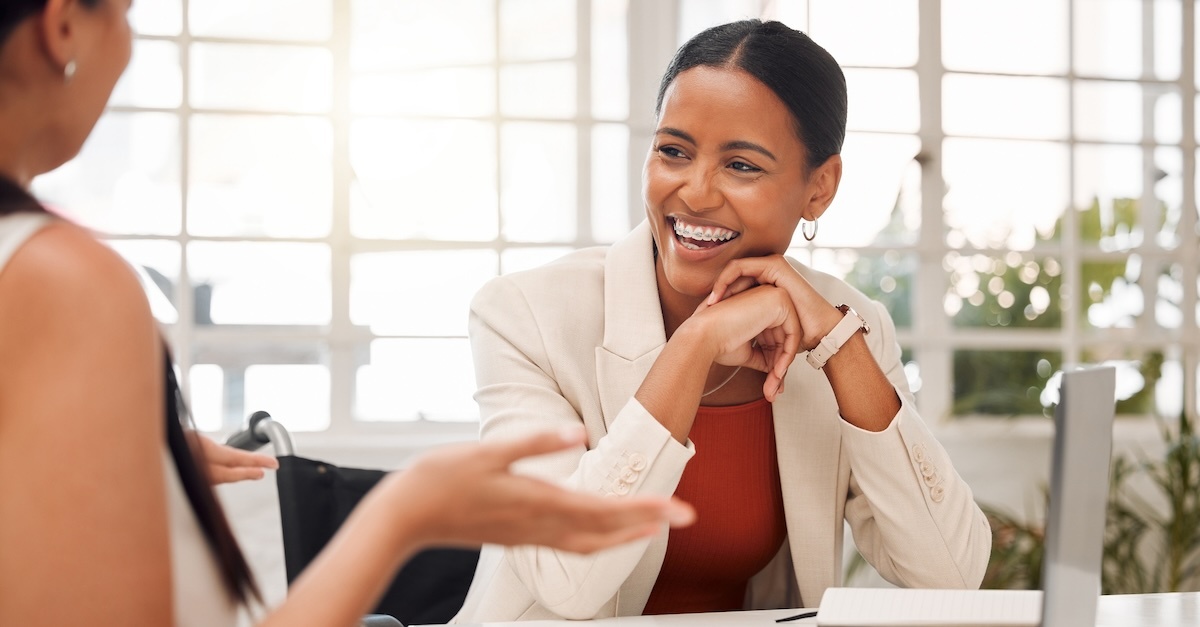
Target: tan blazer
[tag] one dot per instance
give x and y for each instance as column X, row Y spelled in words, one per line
column 570, row 343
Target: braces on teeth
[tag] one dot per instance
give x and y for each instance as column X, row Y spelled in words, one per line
column 704, row 234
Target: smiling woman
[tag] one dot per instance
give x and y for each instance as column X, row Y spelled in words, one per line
column 676, row 351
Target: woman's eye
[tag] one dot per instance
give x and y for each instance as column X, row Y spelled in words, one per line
column 742, row 166
column 671, row 151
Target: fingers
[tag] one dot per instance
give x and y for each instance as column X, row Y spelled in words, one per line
column 232, row 474
column 217, row 453
column 232, row 457
column 742, row 274
column 729, row 284
column 604, row 522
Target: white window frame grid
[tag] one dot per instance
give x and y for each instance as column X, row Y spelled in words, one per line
column 344, row 341
column 652, row 28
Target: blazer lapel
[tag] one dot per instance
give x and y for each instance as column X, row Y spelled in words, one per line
column 808, row 446
column 633, row 327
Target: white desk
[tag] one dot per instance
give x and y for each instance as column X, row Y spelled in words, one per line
column 1180, row 609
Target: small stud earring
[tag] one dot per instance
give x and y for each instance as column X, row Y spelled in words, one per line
column 69, row 71
column 804, row 230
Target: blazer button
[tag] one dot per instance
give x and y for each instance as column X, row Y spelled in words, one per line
column 621, row 488
column 918, row 453
column 927, row 469
column 628, row 475
column 637, row 461
column 932, row 480
column 937, row 493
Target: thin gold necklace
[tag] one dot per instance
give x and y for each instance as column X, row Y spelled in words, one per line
column 722, row 384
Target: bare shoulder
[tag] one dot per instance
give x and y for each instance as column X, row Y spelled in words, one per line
column 64, row 266
column 65, row 295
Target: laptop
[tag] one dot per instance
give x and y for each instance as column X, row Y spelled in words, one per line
column 1079, row 474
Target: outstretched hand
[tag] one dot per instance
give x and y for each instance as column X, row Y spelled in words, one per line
column 467, row 495
column 229, row 465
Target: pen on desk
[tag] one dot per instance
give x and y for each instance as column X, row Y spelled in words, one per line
column 796, row 617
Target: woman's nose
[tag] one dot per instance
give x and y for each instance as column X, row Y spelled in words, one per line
column 700, row 192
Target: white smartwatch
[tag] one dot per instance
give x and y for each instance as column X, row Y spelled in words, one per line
column 830, row 344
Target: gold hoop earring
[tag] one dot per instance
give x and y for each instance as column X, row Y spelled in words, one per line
column 69, row 71
column 804, row 230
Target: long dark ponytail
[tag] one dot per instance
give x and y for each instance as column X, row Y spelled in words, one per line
column 188, row 458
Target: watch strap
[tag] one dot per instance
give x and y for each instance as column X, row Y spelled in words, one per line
column 829, row 345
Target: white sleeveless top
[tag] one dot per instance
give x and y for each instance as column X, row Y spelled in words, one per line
column 199, row 592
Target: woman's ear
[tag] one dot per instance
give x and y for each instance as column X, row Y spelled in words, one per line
column 823, row 186
column 59, row 29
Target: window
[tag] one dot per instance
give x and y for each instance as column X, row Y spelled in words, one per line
column 312, row 202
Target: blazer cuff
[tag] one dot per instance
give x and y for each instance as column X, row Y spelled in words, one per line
column 639, row 455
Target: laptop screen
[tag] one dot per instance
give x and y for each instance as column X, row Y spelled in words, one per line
column 1078, row 497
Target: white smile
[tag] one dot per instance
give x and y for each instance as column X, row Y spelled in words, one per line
column 689, row 234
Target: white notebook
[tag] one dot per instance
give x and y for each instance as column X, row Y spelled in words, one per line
column 885, row 607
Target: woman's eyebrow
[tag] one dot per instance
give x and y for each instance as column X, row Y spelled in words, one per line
column 739, row 144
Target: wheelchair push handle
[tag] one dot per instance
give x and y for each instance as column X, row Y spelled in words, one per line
column 261, row 430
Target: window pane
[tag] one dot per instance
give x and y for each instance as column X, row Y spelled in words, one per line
column 1110, row 294
column 1004, row 382
column 1108, row 38
column 1015, row 290
column 455, row 92
column 610, row 60
column 1110, row 196
column 1004, row 194
column 161, row 17
column 261, row 78
column 296, row 395
column 1108, row 192
column 1169, row 311
column 258, row 175
column 794, row 13
column 126, row 178
column 537, row 181
column 1168, row 116
column 257, row 283
column 232, row 379
column 887, row 278
column 867, row 32
column 697, row 15
column 533, row 30
column 883, row 100
column 400, row 34
column 610, row 182
column 157, row 265
column 980, row 36
column 262, row 19
column 875, row 202
column 1108, row 111
column 423, row 179
column 154, row 77
column 1168, row 190
column 417, row 379
column 538, row 90
column 417, row 293
column 1005, row 106
column 1139, row 378
column 207, row 398
column 518, row 259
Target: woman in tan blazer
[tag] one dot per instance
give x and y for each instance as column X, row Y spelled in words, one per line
column 696, row 310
